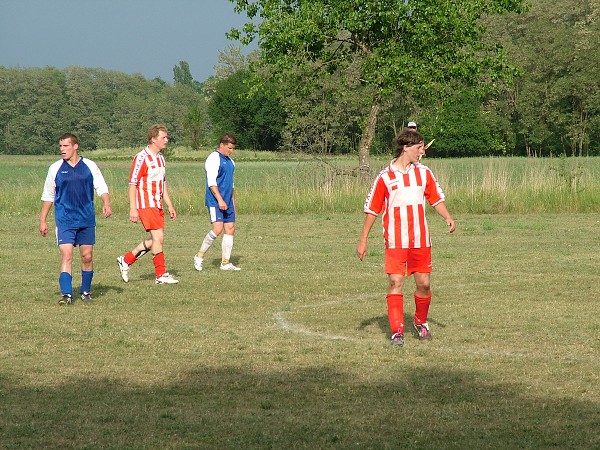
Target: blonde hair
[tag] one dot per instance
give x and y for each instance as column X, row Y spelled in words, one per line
column 154, row 130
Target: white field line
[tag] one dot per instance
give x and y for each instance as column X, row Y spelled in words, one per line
column 283, row 322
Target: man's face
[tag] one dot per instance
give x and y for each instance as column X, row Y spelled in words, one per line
column 413, row 152
column 161, row 140
column 226, row 149
column 68, row 150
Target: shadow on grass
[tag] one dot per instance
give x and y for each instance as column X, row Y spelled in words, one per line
column 216, row 407
column 383, row 323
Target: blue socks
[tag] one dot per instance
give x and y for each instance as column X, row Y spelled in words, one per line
column 86, row 281
column 65, row 280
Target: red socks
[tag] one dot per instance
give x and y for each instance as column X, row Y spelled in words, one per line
column 159, row 264
column 129, row 258
column 395, row 306
column 421, row 309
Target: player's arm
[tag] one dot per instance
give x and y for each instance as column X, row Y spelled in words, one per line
column 46, row 206
column 219, row 197
column 443, row 211
column 361, row 248
column 168, row 202
column 134, row 215
column 106, row 209
column 233, row 199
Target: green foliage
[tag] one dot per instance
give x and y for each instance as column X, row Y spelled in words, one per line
column 418, row 47
column 555, row 102
column 461, row 130
column 104, row 108
column 329, row 117
column 255, row 118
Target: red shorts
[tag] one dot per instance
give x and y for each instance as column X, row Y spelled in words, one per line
column 406, row 261
column 152, row 218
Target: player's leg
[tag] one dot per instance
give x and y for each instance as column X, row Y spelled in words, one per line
column 85, row 238
column 395, row 307
column 87, row 272
column 125, row 261
column 158, row 258
column 395, row 267
column 227, row 246
column 65, row 278
column 420, row 266
column 422, row 296
column 216, row 219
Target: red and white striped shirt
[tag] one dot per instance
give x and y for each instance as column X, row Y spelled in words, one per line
column 401, row 197
column 148, row 175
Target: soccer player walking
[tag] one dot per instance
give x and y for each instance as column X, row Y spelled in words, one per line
column 220, row 201
column 70, row 186
column 399, row 192
column 147, row 193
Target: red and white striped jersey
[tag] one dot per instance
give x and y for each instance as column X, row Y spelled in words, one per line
column 148, row 175
column 401, row 197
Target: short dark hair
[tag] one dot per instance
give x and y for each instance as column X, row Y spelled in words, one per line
column 228, row 138
column 70, row 136
column 406, row 137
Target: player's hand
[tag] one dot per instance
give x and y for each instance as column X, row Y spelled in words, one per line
column 222, row 205
column 134, row 216
column 107, row 211
column 451, row 224
column 361, row 250
column 172, row 213
column 44, row 229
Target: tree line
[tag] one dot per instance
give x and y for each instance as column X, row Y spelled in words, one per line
column 528, row 86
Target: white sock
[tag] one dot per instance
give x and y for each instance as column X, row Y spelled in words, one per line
column 226, row 246
column 207, row 242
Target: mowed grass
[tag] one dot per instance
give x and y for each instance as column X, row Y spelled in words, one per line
column 293, row 351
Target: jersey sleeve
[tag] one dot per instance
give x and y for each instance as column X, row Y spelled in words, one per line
column 99, row 183
column 138, row 168
column 49, row 192
column 211, row 166
column 433, row 191
column 375, row 201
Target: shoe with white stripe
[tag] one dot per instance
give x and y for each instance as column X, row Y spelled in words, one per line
column 166, row 278
column 422, row 331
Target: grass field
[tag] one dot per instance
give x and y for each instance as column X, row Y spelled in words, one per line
column 293, row 351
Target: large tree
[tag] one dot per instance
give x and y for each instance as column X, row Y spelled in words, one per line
column 413, row 46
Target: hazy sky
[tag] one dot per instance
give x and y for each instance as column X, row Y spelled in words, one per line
column 132, row 36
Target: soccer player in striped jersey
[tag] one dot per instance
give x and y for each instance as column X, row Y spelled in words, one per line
column 147, row 194
column 220, row 201
column 70, row 186
column 399, row 194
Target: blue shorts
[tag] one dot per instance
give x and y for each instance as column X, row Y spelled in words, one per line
column 218, row 215
column 76, row 236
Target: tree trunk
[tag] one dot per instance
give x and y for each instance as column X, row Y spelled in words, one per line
column 367, row 137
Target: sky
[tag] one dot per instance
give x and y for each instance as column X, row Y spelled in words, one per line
column 131, row 36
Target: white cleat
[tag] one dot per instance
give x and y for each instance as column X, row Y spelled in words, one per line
column 198, row 263
column 166, row 278
column 123, row 268
column 229, row 266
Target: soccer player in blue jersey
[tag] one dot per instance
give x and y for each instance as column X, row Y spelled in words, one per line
column 220, row 201
column 70, row 186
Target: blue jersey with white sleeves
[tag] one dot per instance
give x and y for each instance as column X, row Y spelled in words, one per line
column 71, row 189
column 219, row 172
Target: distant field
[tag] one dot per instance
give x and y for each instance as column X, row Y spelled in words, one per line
column 293, row 351
column 300, row 184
